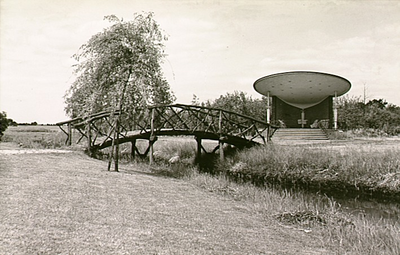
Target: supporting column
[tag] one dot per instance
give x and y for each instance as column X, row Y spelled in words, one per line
column 268, row 109
column 303, row 117
column 335, row 113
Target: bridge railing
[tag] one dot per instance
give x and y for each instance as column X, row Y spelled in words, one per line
column 210, row 120
column 172, row 119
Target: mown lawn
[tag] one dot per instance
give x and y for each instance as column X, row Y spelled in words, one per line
column 69, row 204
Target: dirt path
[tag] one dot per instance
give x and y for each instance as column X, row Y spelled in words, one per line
column 67, row 203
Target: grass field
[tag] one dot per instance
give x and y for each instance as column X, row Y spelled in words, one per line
column 68, row 203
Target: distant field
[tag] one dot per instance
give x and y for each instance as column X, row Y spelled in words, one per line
column 41, row 137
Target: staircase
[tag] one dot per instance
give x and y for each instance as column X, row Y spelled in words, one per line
column 303, row 134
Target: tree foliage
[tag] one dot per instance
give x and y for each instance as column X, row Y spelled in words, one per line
column 120, row 68
column 240, row 102
column 5, row 123
column 376, row 114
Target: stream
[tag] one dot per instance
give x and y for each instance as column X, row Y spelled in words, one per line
column 371, row 209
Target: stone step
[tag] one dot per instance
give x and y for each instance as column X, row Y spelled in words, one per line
column 299, row 134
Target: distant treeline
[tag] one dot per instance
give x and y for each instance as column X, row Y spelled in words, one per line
column 35, row 124
column 238, row 102
column 376, row 114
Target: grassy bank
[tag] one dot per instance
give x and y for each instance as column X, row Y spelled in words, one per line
column 345, row 170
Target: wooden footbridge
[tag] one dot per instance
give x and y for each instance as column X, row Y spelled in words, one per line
column 111, row 128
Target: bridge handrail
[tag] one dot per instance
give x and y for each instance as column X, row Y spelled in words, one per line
column 91, row 117
column 68, row 121
column 212, row 108
column 103, row 114
column 235, row 124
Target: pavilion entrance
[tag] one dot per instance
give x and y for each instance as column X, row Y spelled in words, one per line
column 283, row 114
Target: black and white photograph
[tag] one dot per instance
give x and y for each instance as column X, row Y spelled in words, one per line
column 200, row 127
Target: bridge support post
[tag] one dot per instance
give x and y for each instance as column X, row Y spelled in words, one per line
column 152, row 138
column 116, row 145
column 133, row 149
column 198, row 152
column 69, row 139
column 221, row 150
column 89, row 138
column 220, row 141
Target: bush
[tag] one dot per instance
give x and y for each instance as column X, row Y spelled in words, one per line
column 377, row 116
column 3, row 123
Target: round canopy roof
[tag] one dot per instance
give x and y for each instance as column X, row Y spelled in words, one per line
column 302, row 89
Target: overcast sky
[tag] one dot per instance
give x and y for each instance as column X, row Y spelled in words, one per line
column 214, row 46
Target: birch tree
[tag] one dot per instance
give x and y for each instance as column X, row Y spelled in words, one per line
column 120, row 68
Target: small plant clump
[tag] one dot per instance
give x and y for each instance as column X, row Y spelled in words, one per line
column 309, row 219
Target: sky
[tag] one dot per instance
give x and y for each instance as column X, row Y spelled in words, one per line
column 214, row 47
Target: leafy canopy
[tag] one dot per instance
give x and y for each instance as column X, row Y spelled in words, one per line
column 376, row 114
column 239, row 102
column 120, row 68
column 5, row 122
